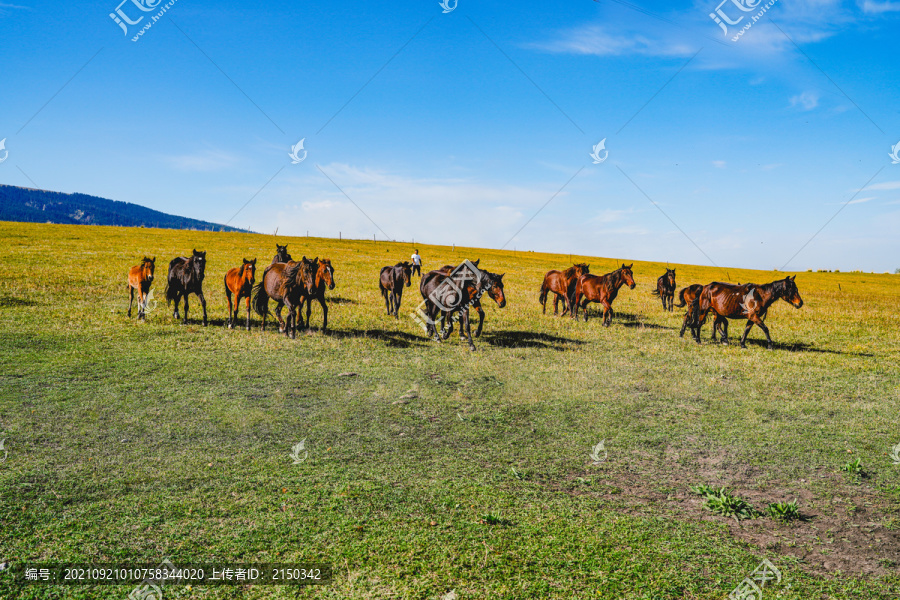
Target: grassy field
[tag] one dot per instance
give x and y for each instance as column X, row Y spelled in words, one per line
column 432, row 469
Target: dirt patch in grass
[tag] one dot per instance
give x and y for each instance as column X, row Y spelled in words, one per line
column 850, row 528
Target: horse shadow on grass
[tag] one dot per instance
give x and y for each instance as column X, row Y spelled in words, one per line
column 528, row 339
column 627, row 320
column 339, row 300
column 798, row 347
column 394, row 339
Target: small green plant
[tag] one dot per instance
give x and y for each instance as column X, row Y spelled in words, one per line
column 492, row 519
column 854, row 467
column 783, row 511
column 722, row 502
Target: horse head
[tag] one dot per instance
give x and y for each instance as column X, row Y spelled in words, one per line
column 493, row 285
column 198, row 259
column 407, row 272
column 308, row 272
column 787, row 289
column 148, row 266
column 327, row 272
column 627, row 274
column 248, row 270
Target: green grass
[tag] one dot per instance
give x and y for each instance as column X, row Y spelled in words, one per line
column 132, row 441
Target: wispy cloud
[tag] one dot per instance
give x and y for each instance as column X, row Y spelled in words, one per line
column 870, row 7
column 887, row 185
column 806, row 100
column 202, row 162
column 598, row 40
column 719, row 164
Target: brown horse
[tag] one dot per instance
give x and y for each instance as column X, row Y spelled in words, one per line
column 288, row 284
column 562, row 284
column 748, row 301
column 139, row 278
column 391, row 281
column 493, row 288
column 324, row 278
column 239, row 281
column 665, row 289
column 602, row 289
column 686, row 296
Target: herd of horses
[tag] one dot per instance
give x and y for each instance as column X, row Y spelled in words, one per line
column 291, row 284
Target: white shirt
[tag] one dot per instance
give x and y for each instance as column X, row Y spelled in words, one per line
column 416, row 259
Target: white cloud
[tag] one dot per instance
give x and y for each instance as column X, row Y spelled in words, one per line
column 870, row 7
column 806, row 100
column 719, row 164
column 887, row 185
column 598, row 41
column 206, row 161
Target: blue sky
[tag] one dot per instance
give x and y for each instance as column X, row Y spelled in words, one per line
column 459, row 127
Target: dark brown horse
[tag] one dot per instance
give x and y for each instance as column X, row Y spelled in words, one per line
column 686, row 297
column 493, row 288
column 391, row 281
column 324, row 277
column 281, row 254
column 748, row 301
column 288, row 284
column 455, row 298
column 140, row 277
column 239, row 282
column 665, row 289
column 186, row 277
column 602, row 289
column 562, row 284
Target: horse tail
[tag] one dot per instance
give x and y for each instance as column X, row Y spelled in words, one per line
column 260, row 299
column 655, row 292
column 544, row 289
column 170, row 294
column 681, row 298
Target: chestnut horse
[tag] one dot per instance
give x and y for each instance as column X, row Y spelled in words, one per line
column 139, row 278
column 288, row 284
column 324, row 277
column 494, row 289
column 748, row 301
column 602, row 289
column 239, row 281
column 281, row 254
column 561, row 283
column 665, row 289
column 686, row 296
column 391, row 281
column 186, row 277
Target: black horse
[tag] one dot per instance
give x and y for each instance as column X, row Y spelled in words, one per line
column 665, row 289
column 447, row 294
column 186, row 277
column 391, row 281
column 281, row 254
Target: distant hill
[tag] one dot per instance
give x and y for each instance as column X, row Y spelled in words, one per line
column 42, row 206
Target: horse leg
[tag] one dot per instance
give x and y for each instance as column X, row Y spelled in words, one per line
column 185, row 307
column 324, row 313
column 607, row 315
column 722, row 324
column 747, row 329
column 230, row 312
column 278, row 316
column 308, row 311
column 248, row 311
column 464, row 324
column 289, row 323
column 175, row 314
column 480, row 319
column 555, row 304
column 759, row 323
column 130, row 301
column 203, row 304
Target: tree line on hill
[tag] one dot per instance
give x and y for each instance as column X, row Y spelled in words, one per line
column 42, row 206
